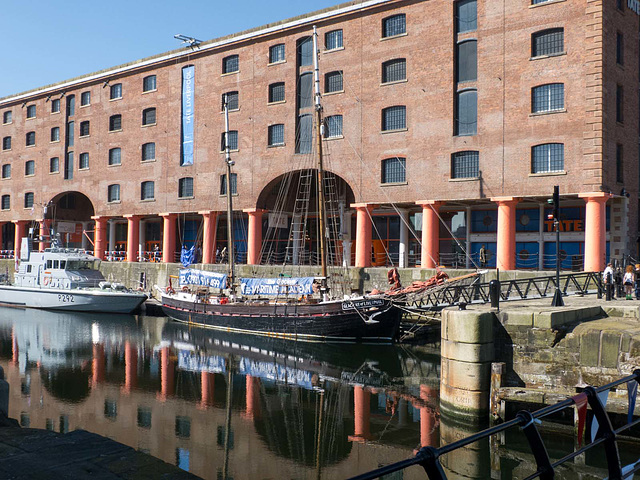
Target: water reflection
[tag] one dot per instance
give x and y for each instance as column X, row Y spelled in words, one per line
column 217, row 404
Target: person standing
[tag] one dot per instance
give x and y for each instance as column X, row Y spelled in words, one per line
column 628, row 280
column 482, row 256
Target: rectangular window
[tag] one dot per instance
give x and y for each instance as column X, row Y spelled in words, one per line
column 547, row 98
column 113, row 193
column 276, row 53
column 149, row 116
column 28, row 200
column 394, row 118
column 395, row 25
column 7, row 117
column 548, row 157
column 30, row 167
column 115, row 91
column 466, row 16
column 149, row 83
column 465, row 165
column 55, row 134
column 304, row 134
column 115, row 156
column 31, row 111
column 6, row 202
column 467, row 61
column 30, row 139
column 232, row 140
column 619, row 164
column 6, row 170
column 232, row 100
column 394, row 70
column 54, row 165
column 71, row 105
column 333, row 82
column 85, row 99
column 70, row 134
column 84, row 161
column 547, row 42
column 234, row 184
column 305, row 51
column 115, row 123
column 147, row 191
column 276, row 92
column 68, row 166
column 620, row 48
column 84, row 128
column 466, row 121
column 333, row 40
column 619, row 104
column 185, row 187
column 333, row 126
column 394, row 170
column 230, row 64
column 276, row 135
column 6, row 143
column 55, row 106
column 148, row 152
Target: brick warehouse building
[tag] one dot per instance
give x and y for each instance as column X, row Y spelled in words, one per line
column 458, row 116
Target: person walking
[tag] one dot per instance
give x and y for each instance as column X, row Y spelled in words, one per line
column 628, row 280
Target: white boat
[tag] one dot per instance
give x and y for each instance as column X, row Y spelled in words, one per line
column 65, row 279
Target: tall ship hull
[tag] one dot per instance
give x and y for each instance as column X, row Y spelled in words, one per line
column 75, row 300
column 366, row 320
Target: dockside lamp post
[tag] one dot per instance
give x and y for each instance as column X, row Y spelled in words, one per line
column 555, row 201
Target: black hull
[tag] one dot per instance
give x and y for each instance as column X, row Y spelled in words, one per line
column 319, row 322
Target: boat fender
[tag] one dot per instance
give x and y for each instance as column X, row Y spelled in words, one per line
column 47, row 281
column 224, row 301
column 185, row 289
column 170, row 290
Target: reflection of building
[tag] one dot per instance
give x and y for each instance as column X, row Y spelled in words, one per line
column 465, row 114
column 168, row 396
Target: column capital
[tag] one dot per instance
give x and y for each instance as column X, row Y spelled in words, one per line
column 256, row 211
column 209, row 212
column 429, row 203
column 133, row 216
column 18, row 222
column 368, row 206
column 505, row 200
column 168, row 214
column 595, row 196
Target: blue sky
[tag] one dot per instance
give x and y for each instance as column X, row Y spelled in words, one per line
column 48, row 41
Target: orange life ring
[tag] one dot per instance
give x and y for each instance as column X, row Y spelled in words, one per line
column 47, row 281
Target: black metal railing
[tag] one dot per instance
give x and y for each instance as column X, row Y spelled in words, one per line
column 582, row 283
column 429, row 457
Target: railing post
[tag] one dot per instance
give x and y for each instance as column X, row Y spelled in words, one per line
column 428, row 459
column 605, row 430
column 528, row 425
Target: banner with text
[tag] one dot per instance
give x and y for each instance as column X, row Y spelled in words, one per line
column 187, row 115
column 205, row 279
column 277, row 286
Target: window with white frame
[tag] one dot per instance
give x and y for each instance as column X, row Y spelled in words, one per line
column 547, row 98
column 548, row 157
column 394, row 170
column 465, row 164
column 113, row 193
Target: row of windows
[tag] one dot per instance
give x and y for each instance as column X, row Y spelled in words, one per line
column 115, row 92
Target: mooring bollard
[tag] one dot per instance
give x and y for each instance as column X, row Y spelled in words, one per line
column 494, row 293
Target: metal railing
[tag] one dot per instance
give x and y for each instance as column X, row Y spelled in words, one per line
column 516, row 289
column 429, row 457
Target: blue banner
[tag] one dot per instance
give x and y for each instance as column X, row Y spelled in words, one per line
column 187, row 115
column 205, row 279
column 187, row 254
column 275, row 372
column 191, row 362
column 277, row 286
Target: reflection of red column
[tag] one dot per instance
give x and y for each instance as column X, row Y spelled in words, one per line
column 362, row 414
column 252, row 397
column 254, row 236
column 168, row 237
column 97, row 365
column 363, row 234
column 133, row 237
column 209, row 227
column 207, row 380
column 595, row 231
column 100, row 237
column 167, row 374
column 427, row 416
column 21, row 231
column 14, row 347
column 130, row 366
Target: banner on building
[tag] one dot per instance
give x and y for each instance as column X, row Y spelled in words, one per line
column 187, row 115
column 66, row 227
column 202, row 278
column 278, row 220
column 277, row 286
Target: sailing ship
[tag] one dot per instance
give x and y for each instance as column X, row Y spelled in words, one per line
column 301, row 308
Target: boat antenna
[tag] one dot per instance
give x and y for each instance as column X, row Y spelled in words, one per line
column 319, row 133
column 230, row 163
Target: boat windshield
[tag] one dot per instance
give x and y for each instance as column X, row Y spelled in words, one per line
column 82, row 265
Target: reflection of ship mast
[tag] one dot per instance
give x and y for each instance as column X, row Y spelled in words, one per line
column 319, row 437
column 227, row 423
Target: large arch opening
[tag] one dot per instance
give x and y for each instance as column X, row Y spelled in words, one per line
column 69, row 214
column 291, row 227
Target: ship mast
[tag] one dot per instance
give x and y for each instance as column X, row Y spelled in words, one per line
column 319, row 131
column 230, row 163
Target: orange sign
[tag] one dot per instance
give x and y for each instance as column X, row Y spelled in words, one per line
column 565, row 226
